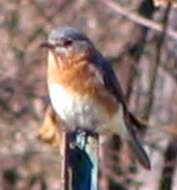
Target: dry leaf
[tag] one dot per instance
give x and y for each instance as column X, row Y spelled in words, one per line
column 50, row 131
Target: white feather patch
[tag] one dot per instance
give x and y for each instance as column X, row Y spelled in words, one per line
column 76, row 111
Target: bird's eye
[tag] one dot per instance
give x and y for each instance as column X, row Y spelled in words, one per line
column 67, row 43
column 64, row 43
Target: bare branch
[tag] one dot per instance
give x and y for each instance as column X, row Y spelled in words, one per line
column 139, row 19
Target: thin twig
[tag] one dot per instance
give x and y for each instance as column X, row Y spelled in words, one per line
column 154, row 71
column 168, row 171
column 146, row 9
column 139, row 19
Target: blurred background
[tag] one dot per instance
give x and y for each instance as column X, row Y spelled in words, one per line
column 145, row 61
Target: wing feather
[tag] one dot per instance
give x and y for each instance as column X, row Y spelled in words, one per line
column 111, row 83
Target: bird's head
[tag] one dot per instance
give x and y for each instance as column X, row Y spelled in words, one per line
column 67, row 43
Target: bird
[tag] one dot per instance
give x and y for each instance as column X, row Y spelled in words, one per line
column 85, row 92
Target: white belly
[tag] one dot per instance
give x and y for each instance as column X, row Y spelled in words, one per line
column 81, row 112
column 76, row 111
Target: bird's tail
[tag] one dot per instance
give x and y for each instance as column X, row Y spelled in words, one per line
column 135, row 141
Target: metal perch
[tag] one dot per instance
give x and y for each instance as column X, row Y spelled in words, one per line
column 80, row 161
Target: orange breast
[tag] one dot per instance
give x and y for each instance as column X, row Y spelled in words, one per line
column 78, row 78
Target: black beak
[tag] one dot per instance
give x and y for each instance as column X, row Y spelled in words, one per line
column 47, row 45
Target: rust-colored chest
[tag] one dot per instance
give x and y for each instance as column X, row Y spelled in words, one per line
column 80, row 79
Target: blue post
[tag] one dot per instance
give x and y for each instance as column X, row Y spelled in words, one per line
column 83, row 161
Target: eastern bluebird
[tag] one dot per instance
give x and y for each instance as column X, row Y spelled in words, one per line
column 85, row 92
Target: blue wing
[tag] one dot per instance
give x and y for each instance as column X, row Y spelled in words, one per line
column 112, row 84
